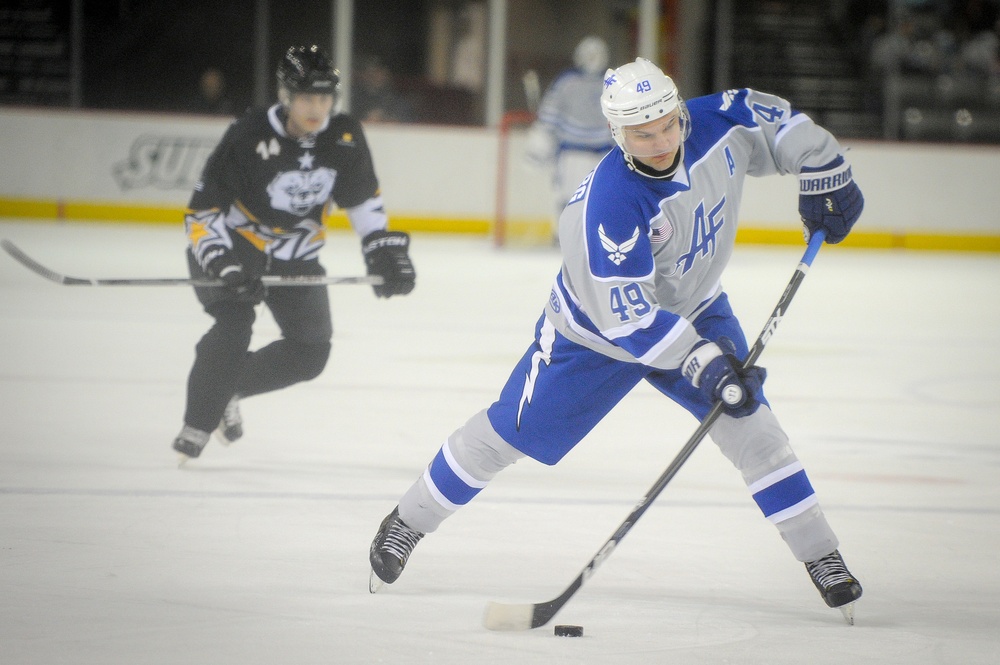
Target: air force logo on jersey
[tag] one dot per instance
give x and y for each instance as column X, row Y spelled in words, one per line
column 299, row 192
column 617, row 251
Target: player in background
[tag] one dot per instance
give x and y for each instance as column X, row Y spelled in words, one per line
column 645, row 241
column 571, row 135
column 257, row 210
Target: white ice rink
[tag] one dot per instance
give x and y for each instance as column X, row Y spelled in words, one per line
column 884, row 373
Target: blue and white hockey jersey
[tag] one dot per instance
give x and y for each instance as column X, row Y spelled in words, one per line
column 571, row 110
column 643, row 257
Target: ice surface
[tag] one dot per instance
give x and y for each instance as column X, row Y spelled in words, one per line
column 884, row 373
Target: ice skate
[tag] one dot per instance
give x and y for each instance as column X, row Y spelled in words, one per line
column 390, row 549
column 190, row 442
column 835, row 583
column 231, row 426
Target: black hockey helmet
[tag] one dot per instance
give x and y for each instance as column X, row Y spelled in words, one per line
column 307, row 69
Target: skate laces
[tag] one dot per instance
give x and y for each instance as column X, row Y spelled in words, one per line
column 400, row 540
column 829, row 570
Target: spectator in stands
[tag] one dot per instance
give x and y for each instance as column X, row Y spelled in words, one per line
column 213, row 97
column 920, row 43
column 976, row 16
column 374, row 96
column 980, row 54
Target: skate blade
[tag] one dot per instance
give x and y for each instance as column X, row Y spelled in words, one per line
column 848, row 612
column 182, row 460
column 375, row 583
column 221, row 438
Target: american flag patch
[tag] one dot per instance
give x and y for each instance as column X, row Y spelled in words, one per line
column 661, row 231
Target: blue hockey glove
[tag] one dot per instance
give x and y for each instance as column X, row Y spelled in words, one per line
column 715, row 371
column 386, row 255
column 220, row 263
column 829, row 199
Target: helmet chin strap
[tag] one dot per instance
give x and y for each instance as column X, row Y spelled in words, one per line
column 650, row 172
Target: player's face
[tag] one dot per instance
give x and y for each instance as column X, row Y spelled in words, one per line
column 655, row 143
column 307, row 112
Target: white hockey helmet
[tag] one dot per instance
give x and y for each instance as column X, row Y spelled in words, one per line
column 639, row 92
column 591, row 55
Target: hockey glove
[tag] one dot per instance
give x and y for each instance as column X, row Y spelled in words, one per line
column 829, row 199
column 221, row 264
column 715, row 371
column 540, row 149
column 386, row 255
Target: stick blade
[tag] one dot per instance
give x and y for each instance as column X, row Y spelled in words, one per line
column 15, row 252
column 519, row 616
column 506, row 616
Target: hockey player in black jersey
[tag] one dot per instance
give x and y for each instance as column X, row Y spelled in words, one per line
column 257, row 211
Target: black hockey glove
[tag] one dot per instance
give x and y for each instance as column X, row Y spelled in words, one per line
column 715, row 370
column 386, row 255
column 221, row 264
column 829, row 199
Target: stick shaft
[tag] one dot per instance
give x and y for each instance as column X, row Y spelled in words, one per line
column 268, row 280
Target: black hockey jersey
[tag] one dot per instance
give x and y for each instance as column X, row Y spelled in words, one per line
column 272, row 188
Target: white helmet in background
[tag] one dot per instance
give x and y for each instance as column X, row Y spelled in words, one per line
column 591, row 55
column 637, row 93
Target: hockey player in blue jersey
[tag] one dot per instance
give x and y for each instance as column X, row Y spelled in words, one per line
column 645, row 240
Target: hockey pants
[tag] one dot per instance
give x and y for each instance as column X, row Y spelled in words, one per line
column 224, row 366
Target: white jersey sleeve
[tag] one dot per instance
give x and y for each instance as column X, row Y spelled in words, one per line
column 787, row 140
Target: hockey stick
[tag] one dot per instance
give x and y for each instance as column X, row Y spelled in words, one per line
column 268, row 280
column 532, row 89
column 504, row 616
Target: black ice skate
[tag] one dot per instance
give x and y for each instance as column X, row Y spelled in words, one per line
column 190, row 442
column 389, row 551
column 835, row 583
column 231, row 426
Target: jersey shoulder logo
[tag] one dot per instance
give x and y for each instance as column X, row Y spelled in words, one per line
column 617, row 252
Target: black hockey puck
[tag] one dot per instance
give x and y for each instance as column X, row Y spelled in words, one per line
column 569, row 631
